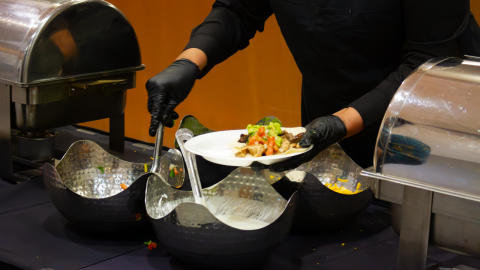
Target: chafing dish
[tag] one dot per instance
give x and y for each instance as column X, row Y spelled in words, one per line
column 63, row 62
column 427, row 159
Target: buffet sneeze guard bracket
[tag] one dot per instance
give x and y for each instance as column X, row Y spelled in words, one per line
column 428, row 147
column 62, row 62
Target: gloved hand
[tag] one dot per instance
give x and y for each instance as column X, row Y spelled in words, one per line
column 167, row 89
column 322, row 132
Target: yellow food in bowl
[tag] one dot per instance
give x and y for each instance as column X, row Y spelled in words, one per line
column 342, row 190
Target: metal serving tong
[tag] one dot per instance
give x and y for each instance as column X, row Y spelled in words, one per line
column 183, row 135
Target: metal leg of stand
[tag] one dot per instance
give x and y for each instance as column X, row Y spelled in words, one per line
column 415, row 228
column 6, row 167
column 117, row 134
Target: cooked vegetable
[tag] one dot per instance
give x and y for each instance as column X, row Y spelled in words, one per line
column 265, row 140
column 278, row 141
column 261, row 132
column 173, row 170
column 252, row 129
column 271, row 143
column 275, row 129
column 151, row 245
column 341, row 190
column 124, row 186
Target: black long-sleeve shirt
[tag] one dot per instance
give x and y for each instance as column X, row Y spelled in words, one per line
column 351, row 53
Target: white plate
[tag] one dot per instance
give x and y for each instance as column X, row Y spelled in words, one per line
column 214, row 148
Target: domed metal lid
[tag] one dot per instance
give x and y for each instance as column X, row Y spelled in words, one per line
column 49, row 40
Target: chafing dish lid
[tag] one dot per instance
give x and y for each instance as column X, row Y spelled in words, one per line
column 48, row 40
column 430, row 135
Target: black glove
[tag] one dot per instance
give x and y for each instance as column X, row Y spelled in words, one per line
column 322, row 132
column 167, row 89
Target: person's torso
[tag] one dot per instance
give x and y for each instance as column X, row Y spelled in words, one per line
column 343, row 48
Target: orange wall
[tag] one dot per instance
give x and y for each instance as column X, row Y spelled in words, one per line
column 234, row 94
column 475, row 8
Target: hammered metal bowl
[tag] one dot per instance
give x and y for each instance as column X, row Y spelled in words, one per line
column 195, row 231
column 86, row 187
column 319, row 207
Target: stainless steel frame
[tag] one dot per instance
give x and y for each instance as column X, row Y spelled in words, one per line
column 455, row 222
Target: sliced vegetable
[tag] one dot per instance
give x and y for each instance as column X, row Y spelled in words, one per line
column 261, row 132
column 255, row 139
column 124, row 186
column 271, row 143
column 102, row 169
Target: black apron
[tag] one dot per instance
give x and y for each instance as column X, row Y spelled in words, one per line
column 344, row 49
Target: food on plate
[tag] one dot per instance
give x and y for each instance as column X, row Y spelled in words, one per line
column 267, row 140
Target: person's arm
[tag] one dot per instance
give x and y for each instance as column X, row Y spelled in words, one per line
column 227, row 29
column 432, row 29
column 197, row 56
column 351, row 119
